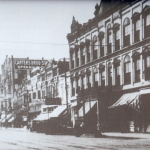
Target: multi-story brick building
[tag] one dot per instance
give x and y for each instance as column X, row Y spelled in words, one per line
column 109, row 58
column 25, row 89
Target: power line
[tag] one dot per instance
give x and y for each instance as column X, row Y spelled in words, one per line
column 33, row 43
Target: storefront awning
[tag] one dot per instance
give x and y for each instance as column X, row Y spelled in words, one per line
column 58, row 111
column 42, row 117
column 87, row 106
column 2, row 117
column 126, row 99
column 11, row 119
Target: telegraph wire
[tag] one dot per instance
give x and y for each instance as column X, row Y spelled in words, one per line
column 56, row 44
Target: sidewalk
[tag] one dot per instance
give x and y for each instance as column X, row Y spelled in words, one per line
column 127, row 135
column 104, row 135
column 119, row 135
column 16, row 129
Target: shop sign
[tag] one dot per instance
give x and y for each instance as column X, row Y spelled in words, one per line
column 26, row 64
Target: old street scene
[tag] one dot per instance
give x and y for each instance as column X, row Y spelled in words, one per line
column 75, row 75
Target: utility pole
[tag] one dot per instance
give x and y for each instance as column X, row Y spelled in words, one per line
column 6, row 113
column 27, row 106
column 66, row 90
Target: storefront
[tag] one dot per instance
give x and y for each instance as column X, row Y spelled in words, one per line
column 57, row 122
column 87, row 119
column 131, row 113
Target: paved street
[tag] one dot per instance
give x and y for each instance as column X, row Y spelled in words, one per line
column 16, row 139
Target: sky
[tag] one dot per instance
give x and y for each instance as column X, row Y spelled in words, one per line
column 37, row 28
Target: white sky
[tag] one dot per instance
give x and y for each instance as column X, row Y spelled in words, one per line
column 37, row 29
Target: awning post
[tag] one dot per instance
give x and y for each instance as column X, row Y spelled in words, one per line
column 98, row 120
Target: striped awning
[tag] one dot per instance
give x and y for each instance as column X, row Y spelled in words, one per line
column 42, row 117
column 86, row 108
column 11, row 119
column 58, row 111
column 126, row 99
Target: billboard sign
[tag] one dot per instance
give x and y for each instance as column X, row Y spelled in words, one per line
column 21, row 64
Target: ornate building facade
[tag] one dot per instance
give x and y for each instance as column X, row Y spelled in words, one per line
column 110, row 57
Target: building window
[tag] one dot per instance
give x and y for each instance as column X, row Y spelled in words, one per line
column 83, row 81
column 101, row 41
column 109, row 40
column 34, row 95
column 136, row 61
column 95, row 47
column 116, row 31
column 77, row 57
column 72, row 59
column 89, row 80
column 9, row 89
column 110, row 74
column 146, row 17
column 147, row 26
column 88, row 54
column 73, row 87
column 126, row 32
column 83, row 55
column 88, row 50
column 147, row 67
column 78, row 84
column 43, row 94
column 39, row 95
column 96, row 79
column 117, row 74
column 136, row 26
column 127, row 70
column 117, row 40
column 137, row 31
column 102, row 73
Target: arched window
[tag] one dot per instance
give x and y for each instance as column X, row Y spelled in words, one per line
column 88, row 50
column 101, row 41
column 136, row 62
column 126, row 32
column 95, row 47
column 116, row 36
column 127, row 70
column 83, row 56
column 82, row 47
column 77, row 57
column 137, row 26
column 146, row 57
column 117, row 71
column 146, row 18
column 109, row 39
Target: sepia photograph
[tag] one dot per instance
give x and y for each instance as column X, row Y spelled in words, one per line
column 75, row 74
